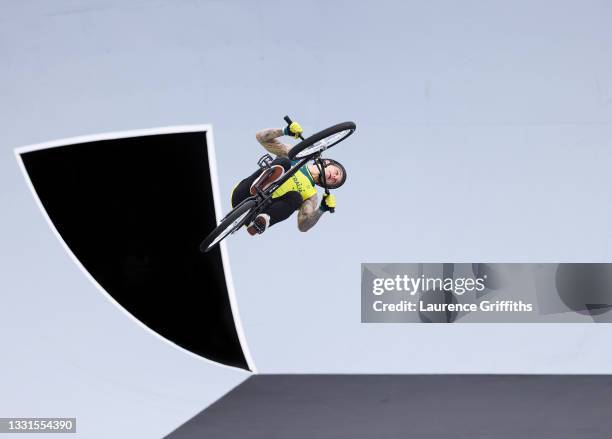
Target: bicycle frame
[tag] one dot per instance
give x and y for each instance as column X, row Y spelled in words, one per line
column 264, row 196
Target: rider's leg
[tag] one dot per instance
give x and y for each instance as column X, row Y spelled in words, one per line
column 242, row 190
column 283, row 206
column 280, row 209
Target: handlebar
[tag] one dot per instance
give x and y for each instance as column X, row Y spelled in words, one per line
column 289, row 122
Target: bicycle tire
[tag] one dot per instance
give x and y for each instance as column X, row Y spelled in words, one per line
column 228, row 225
column 322, row 140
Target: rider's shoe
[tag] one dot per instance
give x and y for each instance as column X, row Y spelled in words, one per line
column 259, row 224
column 266, row 178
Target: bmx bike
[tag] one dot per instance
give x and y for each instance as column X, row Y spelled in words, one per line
column 308, row 149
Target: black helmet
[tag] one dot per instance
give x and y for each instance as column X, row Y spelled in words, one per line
column 322, row 164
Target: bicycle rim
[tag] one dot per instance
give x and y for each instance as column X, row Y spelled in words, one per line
column 324, row 143
column 230, row 228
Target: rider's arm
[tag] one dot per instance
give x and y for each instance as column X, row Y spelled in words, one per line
column 309, row 214
column 269, row 140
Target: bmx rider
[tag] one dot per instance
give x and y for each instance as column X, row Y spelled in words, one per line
column 297, row 193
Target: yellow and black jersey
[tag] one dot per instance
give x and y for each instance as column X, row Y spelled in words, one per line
column 301, row 182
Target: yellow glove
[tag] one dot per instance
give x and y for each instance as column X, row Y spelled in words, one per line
column 294, row 129
column 328, row 202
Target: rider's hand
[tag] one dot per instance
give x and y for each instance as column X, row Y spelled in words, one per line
column 294, row 129
column 328, row 202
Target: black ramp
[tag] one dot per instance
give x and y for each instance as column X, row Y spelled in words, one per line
column 409, row 406
column 133, row 211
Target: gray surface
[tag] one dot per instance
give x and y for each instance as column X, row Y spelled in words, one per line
column 402, row 406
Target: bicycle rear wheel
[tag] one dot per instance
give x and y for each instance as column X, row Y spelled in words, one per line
column 322, row 140
column 228, row 225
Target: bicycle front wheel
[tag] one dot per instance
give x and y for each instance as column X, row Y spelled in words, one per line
column 322, row 140
column 228, row 225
